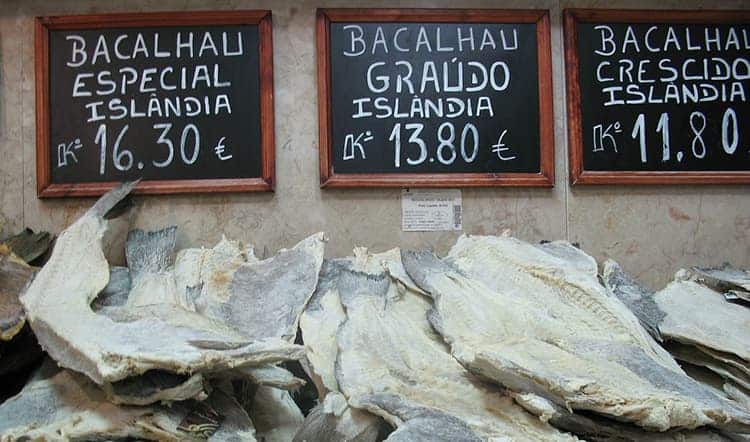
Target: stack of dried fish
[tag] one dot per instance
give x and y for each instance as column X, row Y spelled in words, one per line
column 19, row 351
column 499, row 340
column 535, row 319
column 703, row 319
column 373, row 352
column 171, row 351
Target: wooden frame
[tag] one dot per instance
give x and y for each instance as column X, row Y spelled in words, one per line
column 261, row 18
column 546, row 176
column 571, row 17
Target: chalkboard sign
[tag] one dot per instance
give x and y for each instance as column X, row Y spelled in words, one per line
column 434, row 98
column 183, row 101
column 658, row 97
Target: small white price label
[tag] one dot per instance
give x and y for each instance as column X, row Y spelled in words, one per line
column 431, row 210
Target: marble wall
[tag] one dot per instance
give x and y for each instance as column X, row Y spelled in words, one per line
column 652, row 231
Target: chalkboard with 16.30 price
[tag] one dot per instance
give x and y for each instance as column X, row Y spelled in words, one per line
column 182, row 101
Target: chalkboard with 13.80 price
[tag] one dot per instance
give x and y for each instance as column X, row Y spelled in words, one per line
column 434, row 98
column 182, row 101
column 658, row 97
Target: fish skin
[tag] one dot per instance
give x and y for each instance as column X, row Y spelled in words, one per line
column 332, row 420
column 117, row 290
column 512, row 327
column 638, row 299
column 150, row 251
column 420, row 424
column 319, row 322
column 149, row 256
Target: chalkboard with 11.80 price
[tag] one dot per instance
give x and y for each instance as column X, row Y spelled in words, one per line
column 434, row 98
column 182, row 101
column 658, row 97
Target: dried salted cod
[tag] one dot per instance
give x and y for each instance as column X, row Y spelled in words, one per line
column 63, row 405
column 261, row 299
column 275, row 415
column 19, row 349
column 694, row 355
column 737, row 393
column 594, row 427
column 391, row 363
column 690, row 313
column 723, row 278
column 333, row 420
column 67, row 406
column 135, row 340
column 530, row 321
column 695, row 314
column 319, row 323
column 15, row 275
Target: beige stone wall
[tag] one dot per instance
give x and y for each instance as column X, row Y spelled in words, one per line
column 652, row 231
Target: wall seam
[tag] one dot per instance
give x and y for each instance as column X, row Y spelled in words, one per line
column 564, row 112
column 23, row 134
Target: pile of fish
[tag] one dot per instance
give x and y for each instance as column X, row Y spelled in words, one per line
column 499, row 340
column 702, row 318
column 161, row 350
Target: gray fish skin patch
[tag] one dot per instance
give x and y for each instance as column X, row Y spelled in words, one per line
column 115, row 293
column 638, row 299
column 150, row 251
column 421, row 424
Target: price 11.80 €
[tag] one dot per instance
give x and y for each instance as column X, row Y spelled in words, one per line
column 729, row 130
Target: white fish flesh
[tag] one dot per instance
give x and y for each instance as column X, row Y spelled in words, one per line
column 539, row 322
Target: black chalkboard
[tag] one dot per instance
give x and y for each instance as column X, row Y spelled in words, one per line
column 659, row 92
column 420, row 97
column 165, row 103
